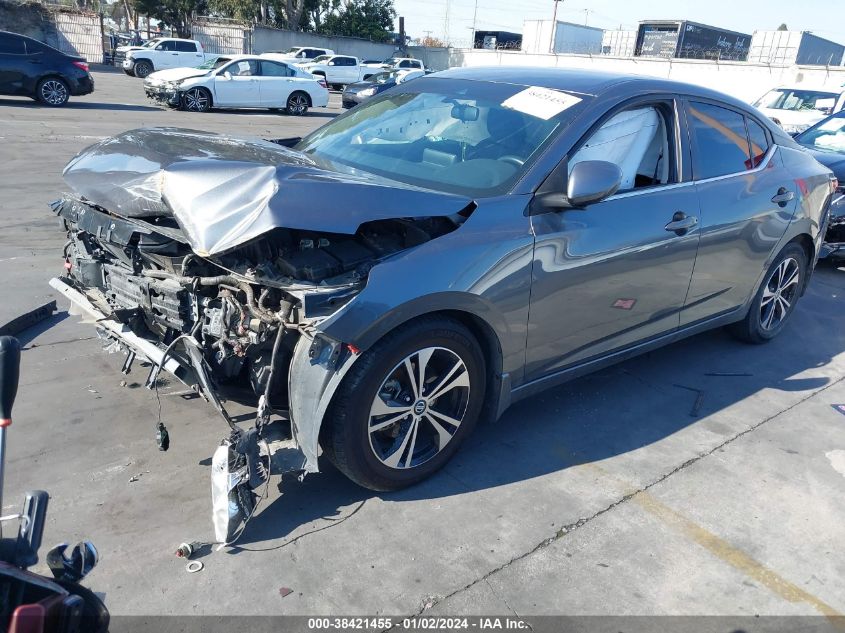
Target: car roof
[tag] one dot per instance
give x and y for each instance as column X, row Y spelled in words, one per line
column 585, row 82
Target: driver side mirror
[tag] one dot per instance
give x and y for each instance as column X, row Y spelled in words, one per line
column 331, row 63
column 226, row 75
column 590, row 181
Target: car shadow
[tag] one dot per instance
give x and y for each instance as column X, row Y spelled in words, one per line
column 243, row 112
column 73, row 104
column 619, row 410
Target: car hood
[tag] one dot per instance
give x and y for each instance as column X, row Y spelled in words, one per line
column 175, row 74
column 794, row 117
column 125, row 49
column 224, row 191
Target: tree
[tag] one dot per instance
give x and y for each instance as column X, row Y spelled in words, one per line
column 783, row 27
column 431, row 42
column 175, row 14
column 368, row 19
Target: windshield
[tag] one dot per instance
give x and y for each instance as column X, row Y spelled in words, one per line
column 383, row 78
column 214, row 62
column 321, row 59
column 827, row 135
column 390, row 60
column 467, row 137
column 785, row 99
column 151, row 43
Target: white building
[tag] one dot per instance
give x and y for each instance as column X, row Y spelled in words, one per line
column 547, row 36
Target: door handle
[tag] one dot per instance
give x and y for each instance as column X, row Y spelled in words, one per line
column 681, row 223
column 782, row 197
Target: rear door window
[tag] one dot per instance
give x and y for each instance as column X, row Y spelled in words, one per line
column 275, row 69
column 11, row 45
column 186, row 47
column 720, row 141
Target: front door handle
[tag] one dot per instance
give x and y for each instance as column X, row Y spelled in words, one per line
column 782, row 197
column 681, row 223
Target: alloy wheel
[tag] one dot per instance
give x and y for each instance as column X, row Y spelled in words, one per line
column 419, row 407
column 54, row 92
column 779, row 293
column 297, row 104
column 196, row 100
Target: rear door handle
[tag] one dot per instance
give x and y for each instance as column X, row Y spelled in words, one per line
column 783, row 196
column 681, row 223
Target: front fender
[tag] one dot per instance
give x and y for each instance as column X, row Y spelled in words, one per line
column 317, row 367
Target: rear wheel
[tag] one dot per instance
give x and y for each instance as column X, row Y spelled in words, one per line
column 197, row 100
column 406, row 405
column 297, row 104
column 52, row 91
column 142, row 69
column 775, row 300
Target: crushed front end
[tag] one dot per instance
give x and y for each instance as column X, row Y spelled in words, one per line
column 217, row 260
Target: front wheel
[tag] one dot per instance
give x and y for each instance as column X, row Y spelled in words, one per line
column 52, row 92
column 196, row 100
column 142, row 69
column 775, row 300
column 406, row 405
column 297, row 104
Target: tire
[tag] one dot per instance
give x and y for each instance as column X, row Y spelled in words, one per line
column 297, row 104
column 53, row 92
column 196, row 100
column 404, row 452
column 131, row 73
column 775, row 300
column 95, row 615
column 142, row 69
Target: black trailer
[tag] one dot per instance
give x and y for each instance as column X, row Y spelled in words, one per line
column 685, row 39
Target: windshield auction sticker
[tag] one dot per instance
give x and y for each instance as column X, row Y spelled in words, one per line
column 542, row 103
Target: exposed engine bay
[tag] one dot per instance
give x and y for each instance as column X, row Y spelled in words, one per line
column 235, row 304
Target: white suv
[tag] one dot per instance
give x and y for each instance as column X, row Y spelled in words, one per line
column 158, row 54
column 796, row 109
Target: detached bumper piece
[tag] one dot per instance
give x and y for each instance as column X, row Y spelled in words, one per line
column 833, row 246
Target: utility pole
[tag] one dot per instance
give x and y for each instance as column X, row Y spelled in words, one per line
column 554, row 28
column 474, row 15
column 446, row 24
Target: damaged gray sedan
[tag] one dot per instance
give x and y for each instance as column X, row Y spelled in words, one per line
column 439, row 252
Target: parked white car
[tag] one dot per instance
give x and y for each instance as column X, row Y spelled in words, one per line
column 155, row 81
column 302, row 53
column 797, row 108
column 339, row 70
column 247, row 81
column 159, row 53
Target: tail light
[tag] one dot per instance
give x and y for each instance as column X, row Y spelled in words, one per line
column 323, row 83
column 81, row 65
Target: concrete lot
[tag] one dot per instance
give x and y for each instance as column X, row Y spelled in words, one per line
column 606, row 496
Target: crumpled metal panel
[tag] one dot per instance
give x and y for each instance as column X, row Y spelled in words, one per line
column 225, row 191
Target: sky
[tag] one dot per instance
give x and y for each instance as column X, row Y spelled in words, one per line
column 424, row 17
